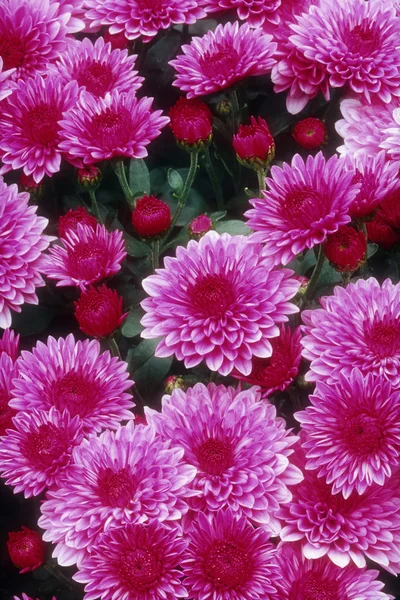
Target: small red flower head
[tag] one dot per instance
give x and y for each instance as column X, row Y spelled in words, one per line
column 151, row 217
column 390, row 210
column 310, row 133
column 99, row 311
column 380, row 232
column 118, row 40
column 346, row 249
column 200, row 226
column 70, row 221
column 191, row 124
column 89, row 177
column 254, row 144
column 26, row 549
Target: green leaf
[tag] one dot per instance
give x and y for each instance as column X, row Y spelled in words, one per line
column 309, row 260
column 136, row 248
column 175, row 181
column 233, row 227
column 131, row 326
column 329, row 276
column 372, row 249
column 146, row 369
column 139, row 177
column 217, row 216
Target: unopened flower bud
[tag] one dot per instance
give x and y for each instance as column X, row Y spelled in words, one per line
column 174, row 382
column 346, row 249
column 28, row 184
column 89, row 177
column 191, row 123
column 151, row 217
column 224, row 108
column 310, row 133
column 99, row 311
column 254, row 145
column 69, row 222
column 26, row 549
column 200, row 226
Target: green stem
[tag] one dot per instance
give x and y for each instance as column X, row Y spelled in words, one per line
column 119, row 169
column 235, row 111
column 155, row 254
column 316, row 273
column 214, row 179
column 346, row 278
column 95, row 206
column 69, row 583
column 194, row 160
column 261, row 175
column 114, row 349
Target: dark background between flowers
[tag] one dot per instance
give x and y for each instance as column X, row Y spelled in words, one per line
column 161, row 174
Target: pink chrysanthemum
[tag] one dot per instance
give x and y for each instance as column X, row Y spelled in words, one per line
column 223, row 57
column 5, row 88
column 129, row 476
column 357, row 43
column 300, row 579
column 391, row 136
column 227, row 559
column 278, row 371
column 357, row 327
column 104, row 128
column 142, row 18
column 97, row 68
column 353, row 432
column 344, row 530
column 86, row 256
column 135, row 562
column 76, row 10
column 74, row 376
column 36, row 452
column 29, row 125
column 305, row 202
column 32, row 35
column 255, row 12
column 377, row 178
column 21, row 245
column 363, row 126
column 238, row 446
column 219, row 301
column 9, row 344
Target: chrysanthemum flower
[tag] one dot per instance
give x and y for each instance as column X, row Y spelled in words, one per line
column 86, row 256
column 5, row 88
column 227, row 559
column 223, row 57
column 278, row 371
column 103, row 128
column 305, row 202
column 69, row 222
column 357, row 43
column 142, row 18
column 9, row 344
column 32, row 34
column 99, row 311
column 129, row 476
column 135, row 562
column 26, row 549
column 254, row 144
column 357, row 327
column 29, row 125
column 76, row 10
column 151, row 217
column 381, row 233
column 353, row 432
column 199, row 226
column 344, row 530
column 363, row 125
column 255, row 12
column 238, row 446
column 300, row 579
column 97, row 68
column 346, row 249
column 391, row 136
column 36, row 452
column 21, row 245
column 191, row 123
column 219, row 301
column 310, row 133
column 74, row 376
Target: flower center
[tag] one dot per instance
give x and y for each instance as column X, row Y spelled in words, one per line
column 42, row 123
column 383, row 336
column 222, row 62
column 215, row 456
column 96, row 77
column 363, row 434
column 140, row 569
column 111, row 127
column 12, row 52
column 301, row 206
column 75, row 393
column 86, row 261
column 46, row 445
column 315, row 588
column 212, row 296
column 116, row 487
column 361, row 40
column 227, row 565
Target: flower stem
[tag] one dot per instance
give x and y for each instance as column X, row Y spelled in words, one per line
column 119, row 169
column 194, row 159
column 95, row 206
column 56, row 572
column 214, row 179
column 235, row 111
column 155, row 254
column 261, row 175
column 315, row 275
column 114, row 349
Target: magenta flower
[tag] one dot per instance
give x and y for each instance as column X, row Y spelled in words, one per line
column 344, row 530
column 353, row 432
column 142, row 18
column 74, row 376
column 227, row 559
column 238, row 446
column 36, row 452
column 29, row 124
column 9, row 344
column 97, row 68
column 76, row 10
column 363, row 125
column 357, row 327
column 223, row 57
column 135, row 562
column 8, row 372
column 5, row 87
column 22, row 244
column 86, row 256
column 356, row 42
column 391, row 136
column 255, row 12
column 219, row 301
column 302, row 579
column 103, row 128
column 32, row 34
column 305, row 202
column 129, row 476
